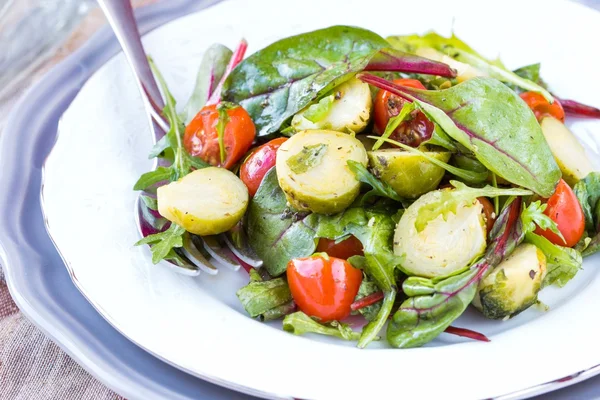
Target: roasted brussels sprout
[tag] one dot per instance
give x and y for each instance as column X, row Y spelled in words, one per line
column 513, row 285
column 348, row 108
column 313, row 172
column 207, row 201
column 448, row 242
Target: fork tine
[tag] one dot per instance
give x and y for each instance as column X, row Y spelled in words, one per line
column 195, row 256
column 238, row 245
column 213, row 247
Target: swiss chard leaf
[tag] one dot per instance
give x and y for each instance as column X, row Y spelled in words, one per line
column 260, row 297
column 213, row 65
column 562, row 263
column 276, row 82
column 433, row 304
column 494, row 123
column 378, row 188
column 299, row 323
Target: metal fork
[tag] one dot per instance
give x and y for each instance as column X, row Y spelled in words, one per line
column 196, row 250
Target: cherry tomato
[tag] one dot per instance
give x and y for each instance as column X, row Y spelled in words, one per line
column 344, row 249
column 564, row 209
column 488, row 213
column 542, row 108
column 323, row 287
column 201, row 137
column 258, row 163
column 416, row 129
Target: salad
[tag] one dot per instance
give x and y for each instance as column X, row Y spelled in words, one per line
column 399, row 180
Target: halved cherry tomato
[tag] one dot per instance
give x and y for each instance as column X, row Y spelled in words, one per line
column 564, row 209
column 201, row 137
column 323, row 287
column 488, row 213
column 344, row 249
column 412, row 132
column 258, row 163
column 542, row 107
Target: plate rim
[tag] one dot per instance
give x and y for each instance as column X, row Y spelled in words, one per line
column 102, row 39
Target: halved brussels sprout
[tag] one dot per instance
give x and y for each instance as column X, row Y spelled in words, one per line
column 568, row 152
column 513, row 285
column 347, row 108
column 313, row 172
column 447, row 243
column 207, row 201
column 409, row 174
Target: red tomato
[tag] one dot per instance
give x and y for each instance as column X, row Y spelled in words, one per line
column 323, row 287
column 541, row 107
column 258, row 163
column 416, row 129
column 201, row 137
column 564, row 209
column 488, row 212
column 344, row 249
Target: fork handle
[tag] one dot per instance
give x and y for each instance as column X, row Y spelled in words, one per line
column 120, row 17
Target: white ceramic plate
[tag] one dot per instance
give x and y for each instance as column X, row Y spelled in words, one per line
column 198, row 325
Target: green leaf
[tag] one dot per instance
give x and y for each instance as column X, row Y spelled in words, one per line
column 164, row 242
column 308, row 158
column 563, row 263
column 587, row 191
column 278, row 312
column 433, row 304
column 393, row 123
column 159, row 148
column 150, row 202
column 534, row 216
column 378, row 188
column 299, row 323
column 371, row 330
column 367, row 287
column 451, row 199
column 468, row 176
column 221, row 125
column 494, row 123
column 213, row 65
column 260, row 297
column 153, row 177
column 316, row 112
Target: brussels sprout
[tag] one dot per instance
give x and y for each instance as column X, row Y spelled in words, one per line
column 568, row 152
column 207, row 201
column 347, row 108
column 409, row 174
column 313, row 172
column 448, row 242
column 513, row 285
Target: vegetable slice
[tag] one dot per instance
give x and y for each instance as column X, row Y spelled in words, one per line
column 313, row 172
column 207, row 201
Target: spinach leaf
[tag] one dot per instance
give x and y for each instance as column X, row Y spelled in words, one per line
column 562, row 263
column 434, row 303
column 213, row 65
column 260, row 297
column 378, row 188
column 494, row 123
column 276, row 82
column 299, row 323
column 275, row 232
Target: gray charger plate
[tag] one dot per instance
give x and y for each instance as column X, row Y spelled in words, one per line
column 36, row 275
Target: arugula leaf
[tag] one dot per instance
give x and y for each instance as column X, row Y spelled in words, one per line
column 370, row 331
column 260, row 297
column 221, row 125
column 153, row 177
column 164, row 242
column 150, row 202
column 562, row 263
column 316, row 112
column 433, row 304
column 213, row 65
column 299, row 323
column 491, row 121
column 367, row 287
column 378, row 188
column 393, row 123
column 469, row 176
column 534, row 216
